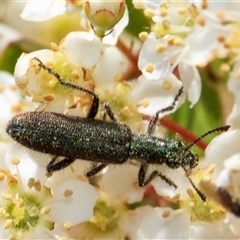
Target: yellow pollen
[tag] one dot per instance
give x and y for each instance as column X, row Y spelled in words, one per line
column 6, row 196
column 139, row 127
column 220, row 14
column 150, row 67
column 1, row 88
column 45, row 210
column 201, row 21
column 193, row 218
column 63, row 238
column 207, row 179
column 212, row 210
column 7, row 224
column 68, row 193
column 31, row 182
column 126, row 111
column 193, row 12
column 49, row 97
column 75, row 74
column 145, row 102
column 143, row 36
column 221, row 39
column 18, row 213
column 37, row 69
column 166, row 24
column 167, row 84
column 160, row 48
column 166, row 214
column 2, row 176
column 18, row 201
column 50, row 65
column 23, row 85
column 176, row 197
column 37, row 185
column 34, row 210
column 211, row 168
column 67, row 226
column 224, row 68
column 178, row 41
column 126, row 84
column 2, row 212
column 191, row 204
column 163, row 12
column 49, row 174
column 204, row 4
column 228, row 44
column 52, row 82
column 182, row 10
column 54, row 46
column 131, row 212
column 149, row 13
column 171, row 40
column 165, row 5
column 13, row 87
column 17, row 107
column 190, row 193
column 15, row 161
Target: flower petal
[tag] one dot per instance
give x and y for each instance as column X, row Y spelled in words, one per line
column 191, row 81
column 43, row 10
column 221, row 148
column 159, row 94
column 82, row 49
column 118, row 187
column 75, row 208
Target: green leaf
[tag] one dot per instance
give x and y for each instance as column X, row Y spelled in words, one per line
column 137, row 21
column 9, row 58
column 214, row 67
column 13, row 52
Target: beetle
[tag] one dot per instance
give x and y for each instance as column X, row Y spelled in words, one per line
column 99, row 141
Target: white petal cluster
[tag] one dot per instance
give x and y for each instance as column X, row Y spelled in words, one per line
column 81, row 58
column 182, row 36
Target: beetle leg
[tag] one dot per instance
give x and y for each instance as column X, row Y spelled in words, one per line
column 96, row 169
column 153, row 120
column 142, row 175
column 52, row 166
column 108, row 111
column 95, row 103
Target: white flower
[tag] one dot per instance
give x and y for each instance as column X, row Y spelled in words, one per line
column 35, row 11
column 221, row 148
column 180, row 38
column 89, row 68
column 41, row 11
column 219, row 11
column 113, row 217
column 32, row 203
column 223, row 152
column 165, row 223
column 11, row 104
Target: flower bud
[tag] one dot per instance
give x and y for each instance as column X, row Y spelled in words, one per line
column 104, row 15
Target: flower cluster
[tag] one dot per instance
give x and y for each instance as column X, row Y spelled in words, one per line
column 184, row 36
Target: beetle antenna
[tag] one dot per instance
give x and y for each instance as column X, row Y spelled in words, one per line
column 219, row 129
column 200, row 194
